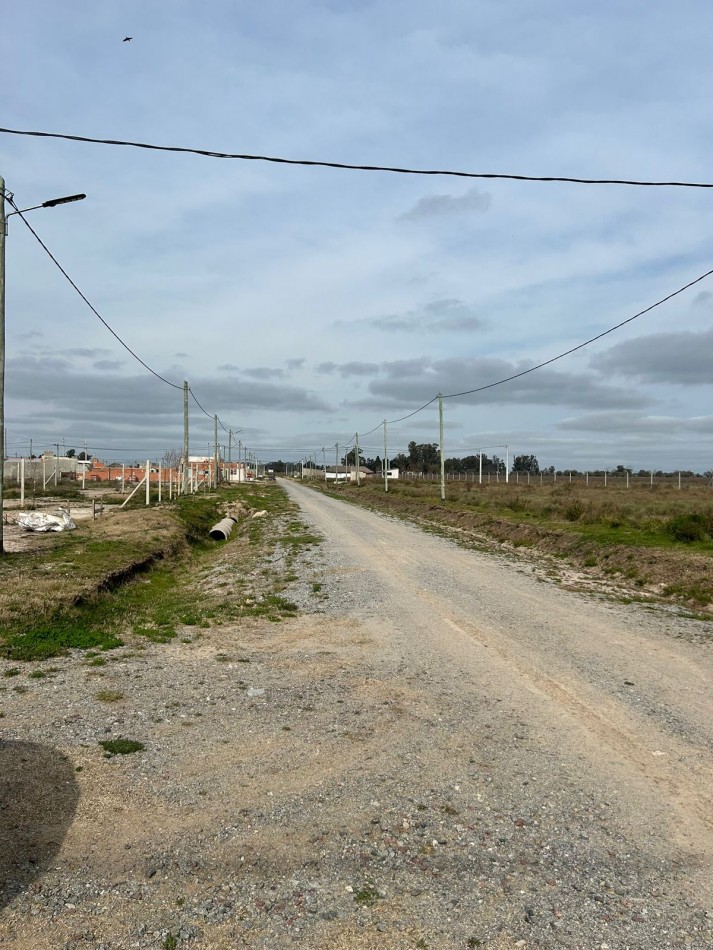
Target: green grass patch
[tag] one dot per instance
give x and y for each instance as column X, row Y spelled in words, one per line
column 366, row 896
column 121, row 746
column 109, row 696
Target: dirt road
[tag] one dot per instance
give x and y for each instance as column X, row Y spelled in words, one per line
column 440, row 752
column 615, row 698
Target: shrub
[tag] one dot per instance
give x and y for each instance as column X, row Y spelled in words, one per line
column 689, row 528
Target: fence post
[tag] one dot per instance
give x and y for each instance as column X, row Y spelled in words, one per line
column 679, row 481
column 148, row 482
column 22, row 483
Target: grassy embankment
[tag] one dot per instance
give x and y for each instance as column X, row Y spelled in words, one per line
column 146, row 572
column 658, row 542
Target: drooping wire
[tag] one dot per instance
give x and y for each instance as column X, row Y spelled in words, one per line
column 85, row 299
column 206, row 153
column 581, row 346
column 553, row 359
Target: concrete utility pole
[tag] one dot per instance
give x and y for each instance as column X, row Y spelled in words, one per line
column 3, row 226
column 216, row 450
column 356, row 457
column 443, row 463
column 384, row 463
column 185, row 438
column 3, row 234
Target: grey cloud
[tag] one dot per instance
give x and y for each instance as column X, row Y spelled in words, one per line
column 354, row 368
column 439, row 315
column 295, row 364
column 703, row 299
column 437, row 206
column 409, row 382
column 107, row 365
column 138, row 401
column 623, row 421
column 30, row 335
column 684, row 358
column 264, row 372
column 358, row 369
column 702, row 424
column 85, row 353
column 228, row 368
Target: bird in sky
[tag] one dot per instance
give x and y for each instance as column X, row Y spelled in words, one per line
column 127, row 39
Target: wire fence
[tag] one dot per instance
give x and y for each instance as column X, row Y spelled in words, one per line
column 598, row 479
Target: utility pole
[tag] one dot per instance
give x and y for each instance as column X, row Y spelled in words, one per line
column 215, row 480
column 185, row 438
column 356, row 457
column 384, row 464
column 3, row 226
column 3, row 234
column 230, row 453
column 324, row 463
column 443, row 464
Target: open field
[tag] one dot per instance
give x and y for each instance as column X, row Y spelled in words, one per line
column 651, row 543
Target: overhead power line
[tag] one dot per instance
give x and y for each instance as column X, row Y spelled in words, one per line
column 98, row 315
column 581, row 346
column 85, row 299
column 245, row 157
column 553, row 359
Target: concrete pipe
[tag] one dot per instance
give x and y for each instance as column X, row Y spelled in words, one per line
column 222, row 530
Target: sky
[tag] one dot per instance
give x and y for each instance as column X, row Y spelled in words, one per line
column 305, row 304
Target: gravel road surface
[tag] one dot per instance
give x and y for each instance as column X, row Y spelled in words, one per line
column 441, row 751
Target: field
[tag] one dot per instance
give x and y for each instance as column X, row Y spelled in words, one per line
column 653, row 543
column 140, row 572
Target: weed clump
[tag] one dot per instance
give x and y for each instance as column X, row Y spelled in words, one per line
column 692, row 527
column 121, row 746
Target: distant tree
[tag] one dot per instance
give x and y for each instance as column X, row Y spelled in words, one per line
column 71, row 453
column 526, row 463
column 423, row 457
column 278, row 466
column 83, row 456
column 348, row 459
column 172, row 458
column 400, row 462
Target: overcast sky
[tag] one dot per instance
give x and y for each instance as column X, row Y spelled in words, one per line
column 306, row 304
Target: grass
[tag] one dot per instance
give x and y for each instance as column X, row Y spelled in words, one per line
column 109, row 696
column 137, row 574
column 659, row 539
column 366, row 896
column 121, row 746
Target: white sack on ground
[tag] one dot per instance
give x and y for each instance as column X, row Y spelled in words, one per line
column 38, row 521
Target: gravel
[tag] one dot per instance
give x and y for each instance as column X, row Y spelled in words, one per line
column 439, row 751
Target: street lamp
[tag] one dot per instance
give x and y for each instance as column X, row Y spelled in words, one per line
column 53, row 202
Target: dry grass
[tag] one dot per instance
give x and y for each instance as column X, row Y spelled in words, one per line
column 62, row 569
column 656, row 543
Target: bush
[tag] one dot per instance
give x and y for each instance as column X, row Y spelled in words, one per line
column 690, row 528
